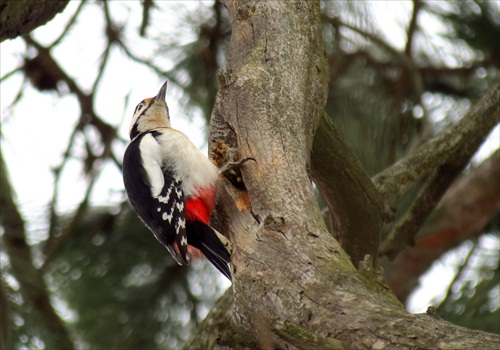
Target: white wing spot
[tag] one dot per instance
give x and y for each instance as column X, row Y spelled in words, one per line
column 168, row 217
column 166, row 197
column 159, row 209
column 180, row 206
column 182, row 223
column 184, row 241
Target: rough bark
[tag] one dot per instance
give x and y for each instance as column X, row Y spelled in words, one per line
column 19, row 17
column 294, row 287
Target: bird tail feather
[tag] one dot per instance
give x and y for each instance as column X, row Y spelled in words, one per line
column 212, row 244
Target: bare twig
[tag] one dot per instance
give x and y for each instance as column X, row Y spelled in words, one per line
column 70, row 24
column 146, row 10
column 88, row 115
column 412, row 27
column 171, row 78
column 18, row 97
column 107, row 50
column 9, row 74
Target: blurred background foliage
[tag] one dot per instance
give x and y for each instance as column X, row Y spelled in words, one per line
column 391, row 89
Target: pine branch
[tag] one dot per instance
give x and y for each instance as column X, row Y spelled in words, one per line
column 468, row 205
column 448, row 147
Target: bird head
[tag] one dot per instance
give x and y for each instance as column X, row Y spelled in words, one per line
column 151, row 113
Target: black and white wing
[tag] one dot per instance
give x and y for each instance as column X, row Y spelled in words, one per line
column 170, row 212
column 156, row 195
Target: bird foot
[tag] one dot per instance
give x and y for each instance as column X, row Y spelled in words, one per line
column 234, row 161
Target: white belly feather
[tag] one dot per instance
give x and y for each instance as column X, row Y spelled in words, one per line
column 185, row 160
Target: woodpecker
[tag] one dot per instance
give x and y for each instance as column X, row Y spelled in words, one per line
column 171, row 185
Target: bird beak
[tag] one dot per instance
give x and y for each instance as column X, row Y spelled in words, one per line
column 161, row 93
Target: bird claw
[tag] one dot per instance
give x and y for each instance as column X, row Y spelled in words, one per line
column 232, row 164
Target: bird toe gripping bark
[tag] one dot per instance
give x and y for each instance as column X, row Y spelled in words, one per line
column 231, row 170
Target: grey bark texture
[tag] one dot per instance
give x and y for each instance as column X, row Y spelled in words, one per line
column 19, row 17
column 294, row 286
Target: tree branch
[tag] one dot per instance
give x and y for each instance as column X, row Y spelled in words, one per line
column 21, row 17
column 303, row 339
column 354, row 203
column 464, row 137
column 146, row 13
column 405, row 230
column 412, row 26
column 469, row 204
column 87, row 117
column 69, row 25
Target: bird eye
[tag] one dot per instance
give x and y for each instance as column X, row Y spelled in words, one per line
column 140, row 107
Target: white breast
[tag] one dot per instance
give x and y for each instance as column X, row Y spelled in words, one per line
column 185, row 160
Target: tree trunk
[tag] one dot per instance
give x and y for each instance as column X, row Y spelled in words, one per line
column 294, row 286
